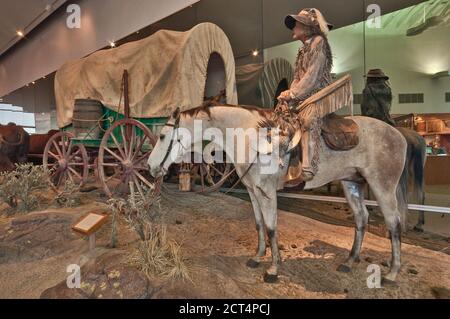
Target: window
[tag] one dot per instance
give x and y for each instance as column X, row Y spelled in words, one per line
column 411, row 98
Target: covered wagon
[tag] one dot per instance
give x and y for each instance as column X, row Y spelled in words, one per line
column 111, row 103
column 261, row 84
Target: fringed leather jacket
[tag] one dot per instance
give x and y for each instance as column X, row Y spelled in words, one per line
column 312, row 69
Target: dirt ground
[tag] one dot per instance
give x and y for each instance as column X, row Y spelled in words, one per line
column 218, row 236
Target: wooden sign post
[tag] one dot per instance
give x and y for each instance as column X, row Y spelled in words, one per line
column 88, row 225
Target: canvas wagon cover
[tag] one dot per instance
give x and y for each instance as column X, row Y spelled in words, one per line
column 166, row 70
column 257, row 83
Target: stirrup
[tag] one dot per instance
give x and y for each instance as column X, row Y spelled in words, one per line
column 307, row 175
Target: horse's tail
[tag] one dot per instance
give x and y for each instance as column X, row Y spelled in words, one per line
column 418, row 159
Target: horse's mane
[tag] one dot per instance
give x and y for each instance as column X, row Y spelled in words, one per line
column 206, row 108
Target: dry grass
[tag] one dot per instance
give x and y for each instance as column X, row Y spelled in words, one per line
column 157, row 256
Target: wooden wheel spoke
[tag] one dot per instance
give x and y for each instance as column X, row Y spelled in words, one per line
column 69, row 149
column 140, row 168
column 138, row 148
column 112, row 176
column 215, row 169
column 55, row 172
column 208, row 172
column 118, row 145
column 75, row 164
column 143, row 157
column 124, row 140
column 75, row 173
column 57, row 149
column 138, row 185
column 142, row 178
column 114, row 154
column 54, row 155
column 70, row 176
column 71, row 156
column 111, row 164
column 133, row 136
column 60, row 175
column 64, row 143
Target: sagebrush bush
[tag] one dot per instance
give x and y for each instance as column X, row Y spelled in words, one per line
column 69, row 196
column 18, row 186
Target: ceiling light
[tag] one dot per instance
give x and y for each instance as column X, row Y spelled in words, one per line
column 112, row 44
column 255, row 53
column 19, row 33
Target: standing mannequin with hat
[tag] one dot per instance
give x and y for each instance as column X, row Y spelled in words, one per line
column 377, row 97
column 312, row 74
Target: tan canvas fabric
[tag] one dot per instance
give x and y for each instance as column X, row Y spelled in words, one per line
column 257, row 83
column 166, row 70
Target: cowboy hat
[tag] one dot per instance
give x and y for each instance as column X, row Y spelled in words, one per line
column 377, row 73
column 311, row 17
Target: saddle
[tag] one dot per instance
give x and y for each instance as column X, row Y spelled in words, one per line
column 340, row 133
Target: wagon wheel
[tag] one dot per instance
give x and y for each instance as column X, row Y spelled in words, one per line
column 63, row 160
column 122, row 159
column 208, row 178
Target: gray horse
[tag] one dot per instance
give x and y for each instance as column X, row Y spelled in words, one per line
column 379, row 160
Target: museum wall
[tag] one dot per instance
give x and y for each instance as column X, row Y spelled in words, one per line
column 411, row 62
column 52, row 43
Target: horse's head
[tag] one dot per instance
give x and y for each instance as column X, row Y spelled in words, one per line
column 169, row 148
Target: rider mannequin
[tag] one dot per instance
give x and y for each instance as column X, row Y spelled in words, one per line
column 312, row 73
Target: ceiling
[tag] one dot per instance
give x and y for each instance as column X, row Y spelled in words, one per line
column 257, row 24
column 249, row 24
column 23, row 15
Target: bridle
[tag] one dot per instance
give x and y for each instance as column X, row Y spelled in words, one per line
column 175, row 127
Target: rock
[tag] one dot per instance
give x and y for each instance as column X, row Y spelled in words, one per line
column 413, row 271
column 385, row 264
column 88, row 189
column 440, row 293
column 106, row 277
column 178, row 222
column 294, row 246
column 369, row 260
column 38, row 236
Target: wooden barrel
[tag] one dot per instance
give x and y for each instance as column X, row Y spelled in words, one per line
column 86, row 114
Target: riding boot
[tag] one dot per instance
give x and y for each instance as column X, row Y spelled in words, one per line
column 307, row 152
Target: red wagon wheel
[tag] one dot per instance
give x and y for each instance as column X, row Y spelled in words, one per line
column 122, row 159
column 63, row 160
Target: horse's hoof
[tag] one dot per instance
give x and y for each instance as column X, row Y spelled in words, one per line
column 388, row 283
column 344, row 268
column 251, row 263
column 418, row 229
column 270, row 278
